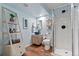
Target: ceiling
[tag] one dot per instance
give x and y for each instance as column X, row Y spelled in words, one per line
column 31, row 9
column 35, row 9
column 51, row 6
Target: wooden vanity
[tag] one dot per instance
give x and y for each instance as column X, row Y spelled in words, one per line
column 37, row 39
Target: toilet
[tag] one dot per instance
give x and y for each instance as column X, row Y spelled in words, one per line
column 46, row 43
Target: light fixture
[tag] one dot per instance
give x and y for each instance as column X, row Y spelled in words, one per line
column 42, row 18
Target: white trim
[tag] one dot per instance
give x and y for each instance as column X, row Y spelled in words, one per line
column 75, row 31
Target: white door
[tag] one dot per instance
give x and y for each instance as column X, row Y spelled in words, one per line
column 63, row 33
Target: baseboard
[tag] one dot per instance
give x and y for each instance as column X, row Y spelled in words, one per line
column 28, row 45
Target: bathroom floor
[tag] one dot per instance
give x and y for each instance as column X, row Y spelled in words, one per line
column 35, row 50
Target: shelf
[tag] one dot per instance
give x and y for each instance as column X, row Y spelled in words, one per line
column 7, row 45
column 12, row 23
column 15, row 33
column 9, row 22
column 11, row 33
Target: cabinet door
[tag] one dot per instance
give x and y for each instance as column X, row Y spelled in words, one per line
column 15, row 51
column 18, row 49
column 22, row 49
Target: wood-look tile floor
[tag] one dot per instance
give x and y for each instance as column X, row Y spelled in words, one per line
column 35, row 50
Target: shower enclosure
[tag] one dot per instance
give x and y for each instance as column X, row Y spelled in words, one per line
column 63, row 30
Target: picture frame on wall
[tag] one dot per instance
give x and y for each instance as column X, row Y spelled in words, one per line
column 25, row 25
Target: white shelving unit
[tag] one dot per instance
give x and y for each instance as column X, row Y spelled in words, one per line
column 12, row 37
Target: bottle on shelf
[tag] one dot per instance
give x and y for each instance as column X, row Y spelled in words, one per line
column 10, row 30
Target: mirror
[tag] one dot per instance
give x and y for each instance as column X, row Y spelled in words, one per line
column 37, row 27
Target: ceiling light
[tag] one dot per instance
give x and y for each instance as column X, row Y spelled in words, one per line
column 42, row 18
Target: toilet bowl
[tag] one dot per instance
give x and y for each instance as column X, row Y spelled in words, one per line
column 46, row 43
